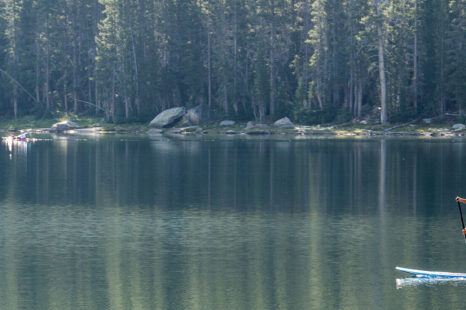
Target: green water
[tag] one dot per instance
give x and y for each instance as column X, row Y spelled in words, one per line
column 139, row 223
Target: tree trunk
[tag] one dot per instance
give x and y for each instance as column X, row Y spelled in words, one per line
column 441, row 51
column 136, row 75
column 75, row 81
column 97, row 99
column 209, row 73
column 272, row 64
column 334, row 59
column 261, row 113
column 15, row 100
column 47, row 77
column 112, row 102
column 319, row 96
column 37, row 72
column 245, row 93
column 351, row 95
column 383, row 86
column 225, row 98
column 272, row 84
column 235, row 53
column 460, row 99
column 359, row 99
column 223, row 53
column 65, row 94
column 415, row 59
column 126, row 108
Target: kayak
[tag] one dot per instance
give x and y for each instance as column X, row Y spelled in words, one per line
column 432, row 274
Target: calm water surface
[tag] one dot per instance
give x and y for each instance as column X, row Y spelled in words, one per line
column 139, row 223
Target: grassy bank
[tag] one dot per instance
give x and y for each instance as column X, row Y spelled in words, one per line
column 345, row 129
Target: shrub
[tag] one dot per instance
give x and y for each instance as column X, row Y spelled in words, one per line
column 315, row 116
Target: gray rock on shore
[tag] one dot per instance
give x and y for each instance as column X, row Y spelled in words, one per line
column 227, row 123
column 168, row 118
column 458, row 127
column 284, row 123
column 252, row 125
column 154, row 132
column 63, row 126
column 193, row 116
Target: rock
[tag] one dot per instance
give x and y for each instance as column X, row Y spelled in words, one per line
column 154, row 132
column 189, row 130
column 193, row 116
column 174, row 131
column 427, row 120
column 458, row 127
column 363, row 122
column 65, row 125
column 168, row 118
column 284, row 123
column 183, row 122
column 250, row 125
column 227, row 123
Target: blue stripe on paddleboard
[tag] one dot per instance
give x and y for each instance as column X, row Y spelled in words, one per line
column 425, row 273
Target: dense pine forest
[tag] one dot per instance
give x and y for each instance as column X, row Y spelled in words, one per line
column 315, row 61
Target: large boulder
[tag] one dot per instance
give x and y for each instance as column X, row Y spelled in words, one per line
column 458, row 127
column 250, row 125
column 63, row 126
column 168, row 118
column 193, row 116
column 284, row 123
column 227, row 123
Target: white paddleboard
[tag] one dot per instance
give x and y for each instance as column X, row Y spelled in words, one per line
column 435, row 274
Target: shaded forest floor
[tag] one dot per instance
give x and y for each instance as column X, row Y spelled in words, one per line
column 439, row 128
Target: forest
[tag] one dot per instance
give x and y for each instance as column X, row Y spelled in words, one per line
column 316, row 61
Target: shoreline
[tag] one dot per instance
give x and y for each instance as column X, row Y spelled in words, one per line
column 94, row 126
column 298, row 131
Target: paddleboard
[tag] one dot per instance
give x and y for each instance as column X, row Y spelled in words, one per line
column 432, row 274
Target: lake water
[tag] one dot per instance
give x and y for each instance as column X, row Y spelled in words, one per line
column 141, row 223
